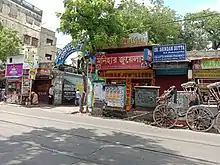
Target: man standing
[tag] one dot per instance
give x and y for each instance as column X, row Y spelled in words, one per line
column 78, row 96
column 51, row 94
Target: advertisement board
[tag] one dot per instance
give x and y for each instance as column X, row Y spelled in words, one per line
column 115, row 95
column 169, row 52
column 14, row 70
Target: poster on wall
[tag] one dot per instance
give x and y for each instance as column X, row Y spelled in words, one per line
column 115, row 96
column 14, row 70
column 98, row 95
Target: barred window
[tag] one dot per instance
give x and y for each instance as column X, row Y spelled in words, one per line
column 13, row 12
column 34, row 42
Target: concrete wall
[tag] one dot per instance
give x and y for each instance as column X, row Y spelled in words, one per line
column 45, row 47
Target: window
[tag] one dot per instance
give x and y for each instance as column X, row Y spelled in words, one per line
column 10, row 60
column 34, row 42
column 29, row 20
column 49, row 41
column 1, row 7
column 48, row 57
column 13, row 12
column 27, row 39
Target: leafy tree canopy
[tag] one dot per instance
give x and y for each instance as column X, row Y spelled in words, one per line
column 9, row 43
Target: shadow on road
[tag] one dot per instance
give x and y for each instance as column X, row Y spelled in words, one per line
column 51, row 146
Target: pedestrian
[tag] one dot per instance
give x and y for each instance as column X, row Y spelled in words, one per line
column 34, row 98
column 78, row 96
column 51, row 95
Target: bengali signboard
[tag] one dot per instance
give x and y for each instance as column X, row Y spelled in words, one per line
column 131, row 60
column 98, row 95
column 169, row 52
column 115, row 96
column 14, row 70
column 206, row 64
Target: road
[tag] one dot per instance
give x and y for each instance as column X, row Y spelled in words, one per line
column 42, row 136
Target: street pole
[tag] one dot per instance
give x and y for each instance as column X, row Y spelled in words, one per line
column 87, row 91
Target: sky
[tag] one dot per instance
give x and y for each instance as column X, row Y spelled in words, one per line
column 50, row 7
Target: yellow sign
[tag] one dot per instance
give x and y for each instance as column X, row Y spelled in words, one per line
column 207, row 74
column 32, row 73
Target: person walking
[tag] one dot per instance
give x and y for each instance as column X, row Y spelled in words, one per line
column 78, row 96
column 51, row 95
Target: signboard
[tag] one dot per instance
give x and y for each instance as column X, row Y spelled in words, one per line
column 14, row 70
column 206, row 64
column 170, row 65
column 131, row 60
column 32, row 73
column 25, row 85
column 214, row 74
column 69, row 93
column 145, row 97
column 115, row 96
column 169, row 52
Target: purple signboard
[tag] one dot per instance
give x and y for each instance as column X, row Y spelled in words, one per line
column 14, row 70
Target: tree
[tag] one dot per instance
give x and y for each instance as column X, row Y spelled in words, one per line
column 201, row 28
column 9, row 43
column 96, row 24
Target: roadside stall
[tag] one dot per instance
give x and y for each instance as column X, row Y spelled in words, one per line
column 14, row 73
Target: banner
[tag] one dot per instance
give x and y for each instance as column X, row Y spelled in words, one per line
column 131, row 60
column 14, row 70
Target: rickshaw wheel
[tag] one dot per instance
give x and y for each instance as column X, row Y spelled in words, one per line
column 165, row 116
column 199, row 118
column 217, row 122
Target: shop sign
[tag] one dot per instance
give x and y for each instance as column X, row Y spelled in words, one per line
column 215, row 74
column 175, row 52
column 14, row 70
column 133, row 60
column 206, row 64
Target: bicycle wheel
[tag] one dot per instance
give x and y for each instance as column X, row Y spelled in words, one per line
column 199, row 118
column 217, row 122
column 165, row 116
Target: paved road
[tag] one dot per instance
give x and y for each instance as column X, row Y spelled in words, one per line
column 37, row 136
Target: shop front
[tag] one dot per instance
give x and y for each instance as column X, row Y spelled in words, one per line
column 170, row 65
column 121, row 72
column 206, row 71
column 43, row 81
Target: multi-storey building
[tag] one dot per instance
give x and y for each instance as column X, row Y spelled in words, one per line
column 27, row 19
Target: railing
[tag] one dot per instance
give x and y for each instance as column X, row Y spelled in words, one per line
column 29, row 6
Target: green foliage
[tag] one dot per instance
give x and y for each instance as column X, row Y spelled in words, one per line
column 97, row 23
column 201, row 28
column 9, row 43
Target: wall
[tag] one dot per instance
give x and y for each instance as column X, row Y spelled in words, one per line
column 15, row 59
column 46, row 48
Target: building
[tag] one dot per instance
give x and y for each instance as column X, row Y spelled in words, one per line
column 26, row 19
column 48, row 48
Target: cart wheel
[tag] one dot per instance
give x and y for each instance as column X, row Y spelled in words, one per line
column 199, row 118
column 165, row 116
column 217, row 122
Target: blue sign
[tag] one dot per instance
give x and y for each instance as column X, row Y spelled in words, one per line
column 169, row 52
